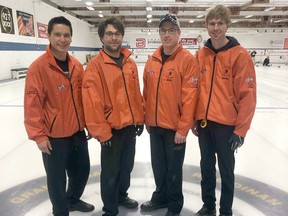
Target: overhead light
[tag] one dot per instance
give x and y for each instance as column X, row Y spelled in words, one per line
column 148, row 8
column 149, row 20
column 90, row 8
column 100, row 15
column 89, row 3
column 234, row 21
column 149, row 16
column 269, row 9
column 77, row 0
column 278, row 21
column 200, row 16
column 191, row 21
column 249, row 16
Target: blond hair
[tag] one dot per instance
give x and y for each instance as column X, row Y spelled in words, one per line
column 219, row 12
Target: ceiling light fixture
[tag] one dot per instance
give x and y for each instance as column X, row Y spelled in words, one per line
column 269, row 9
column 200, row 16
column 89, row 3
column 248, row 16
column 100, row 15
column 148, row 8
column 90, row 8
column 149, row 16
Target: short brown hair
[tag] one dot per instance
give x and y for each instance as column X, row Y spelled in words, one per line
column 115, row 22
column 219, row 12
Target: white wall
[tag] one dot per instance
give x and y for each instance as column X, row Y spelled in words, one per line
column 42, row 13
column 251, row 39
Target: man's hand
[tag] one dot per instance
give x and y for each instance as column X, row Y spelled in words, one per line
column 107, row 143
column 236, row 141
column 45, row 147
column 139, row 129
column 179, row 139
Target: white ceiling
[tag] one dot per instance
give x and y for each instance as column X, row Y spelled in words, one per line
column 134, row 13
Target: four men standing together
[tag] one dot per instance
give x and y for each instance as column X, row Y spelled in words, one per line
column 216, row 100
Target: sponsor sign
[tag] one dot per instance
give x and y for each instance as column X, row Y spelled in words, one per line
column 7, row 25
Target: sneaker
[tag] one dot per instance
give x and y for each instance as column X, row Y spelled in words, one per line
column 205, row 212
column 149, row 206
column 81, row 206
column 128, row 203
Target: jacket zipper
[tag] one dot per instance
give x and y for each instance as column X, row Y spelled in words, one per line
column 124, row 80
column 77, row 116
column 211, row 86
column 52, row 124
column 157, row 93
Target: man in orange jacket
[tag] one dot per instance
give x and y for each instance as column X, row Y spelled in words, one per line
column 225, row 108
column 170, row 94
column 114, row 115
column 54, row 119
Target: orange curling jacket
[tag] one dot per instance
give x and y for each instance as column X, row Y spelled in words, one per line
column 227, row 86
column 171, row 90
column 52, row 101
column 111, row 95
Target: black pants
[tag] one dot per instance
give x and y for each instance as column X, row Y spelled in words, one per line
column 117, row 164
column 213, row 139
column 167, row 163
column 69, row 155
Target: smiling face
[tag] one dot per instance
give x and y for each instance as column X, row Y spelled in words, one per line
column 217, row 29
column 112, row 41
column 169, row 36
column 60, row 39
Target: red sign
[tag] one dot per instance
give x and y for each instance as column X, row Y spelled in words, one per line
column 140, row 42
column 189, row 41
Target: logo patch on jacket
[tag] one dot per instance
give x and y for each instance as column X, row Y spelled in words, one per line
column 169, row 75
column 203, row 70
column 225, row 73
column 194, row 81
column 61, row 86
column 151, row 72
column 250, row 81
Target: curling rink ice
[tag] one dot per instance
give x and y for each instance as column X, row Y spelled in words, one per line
column 261, row 184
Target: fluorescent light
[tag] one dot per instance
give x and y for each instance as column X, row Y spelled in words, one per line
column 89, row 3
column 90, row 8
column 269, row 9
column 149, row 20
column 278, row 21
column 191, row 21
column 149, row 16
column 100, row 15
column 200, row 16
column 148, row 8
column 249, row 16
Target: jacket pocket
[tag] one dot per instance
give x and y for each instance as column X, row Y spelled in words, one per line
column 52, row 124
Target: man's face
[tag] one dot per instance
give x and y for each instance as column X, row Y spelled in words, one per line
column 112, row 40
column 217, row 29
column 169, row 35
column 60, row 38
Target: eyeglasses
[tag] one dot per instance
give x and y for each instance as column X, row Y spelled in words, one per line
column 214, row 24
column 169, row 31
column 110, row 34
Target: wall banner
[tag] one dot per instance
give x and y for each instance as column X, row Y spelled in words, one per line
column 42, row 30
column 7, row 25
column 25, row 24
